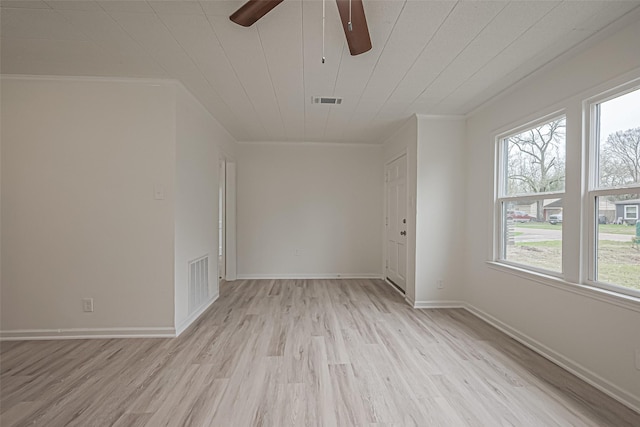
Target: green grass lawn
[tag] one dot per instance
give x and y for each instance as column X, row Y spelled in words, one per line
column 603, row 228
column 543, row 225
column 618, row 262
column 557, row 244
column 617, row 229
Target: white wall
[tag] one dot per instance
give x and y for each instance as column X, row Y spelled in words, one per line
column 595, row 337
column 324, row 200
column 200, row 143
column 440, row 209
column 435, row 149
column 80, row 159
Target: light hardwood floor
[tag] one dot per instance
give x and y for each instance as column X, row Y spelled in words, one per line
column 296, row 353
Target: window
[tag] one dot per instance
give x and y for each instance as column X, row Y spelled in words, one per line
column 631, row 212
column 601, row 244
column 530, row 190
column 614, row 191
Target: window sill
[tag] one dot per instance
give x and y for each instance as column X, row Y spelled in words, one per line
column 621, row 300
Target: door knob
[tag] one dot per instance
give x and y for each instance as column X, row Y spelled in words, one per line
column 403, row 233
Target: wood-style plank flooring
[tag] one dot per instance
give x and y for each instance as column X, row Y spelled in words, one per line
column 297, row 353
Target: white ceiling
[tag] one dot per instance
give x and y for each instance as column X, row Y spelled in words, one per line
column 429, row 57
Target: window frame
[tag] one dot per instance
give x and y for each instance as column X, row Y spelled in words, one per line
column 591, row 142
column 501, row 198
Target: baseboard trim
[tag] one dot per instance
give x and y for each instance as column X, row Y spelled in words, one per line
column 195, row 315
column 306, row 276
column 86, row 333
column 613, row 391
column 434, row 304
column 104, row 333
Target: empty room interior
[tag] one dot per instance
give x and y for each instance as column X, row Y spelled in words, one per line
column 320, row 212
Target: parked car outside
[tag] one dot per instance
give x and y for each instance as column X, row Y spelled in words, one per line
column 520, row 216
column 555, row 219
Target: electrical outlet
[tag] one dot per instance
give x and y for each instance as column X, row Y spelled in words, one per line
column 440, row 284
column 638, row 359
column 87, row 305
column 158, row 192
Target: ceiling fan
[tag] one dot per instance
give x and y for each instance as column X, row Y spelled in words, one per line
column 351, row 12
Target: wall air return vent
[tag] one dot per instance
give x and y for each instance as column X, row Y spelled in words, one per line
column 198, row 283
column 329, row 100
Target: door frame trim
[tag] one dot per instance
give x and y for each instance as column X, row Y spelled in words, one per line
column 222, row 219
column 230, row 221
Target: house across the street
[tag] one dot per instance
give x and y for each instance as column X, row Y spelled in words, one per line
column 627, row 211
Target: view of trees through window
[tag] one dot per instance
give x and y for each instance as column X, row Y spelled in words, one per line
column 534, row 162
column 531, row 194
column 620, row 158
column 618, row 170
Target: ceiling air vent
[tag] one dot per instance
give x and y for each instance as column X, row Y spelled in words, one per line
column 330, row 100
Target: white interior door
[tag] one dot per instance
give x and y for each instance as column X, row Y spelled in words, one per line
column 396, row 221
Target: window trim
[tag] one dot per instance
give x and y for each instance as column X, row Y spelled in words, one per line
column 629, row 302
column 591, row 175
column 500, row 197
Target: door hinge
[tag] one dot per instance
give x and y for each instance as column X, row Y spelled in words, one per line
column 386, row 221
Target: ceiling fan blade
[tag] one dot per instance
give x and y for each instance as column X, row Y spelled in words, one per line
column 358, row 38
column 253, row 10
